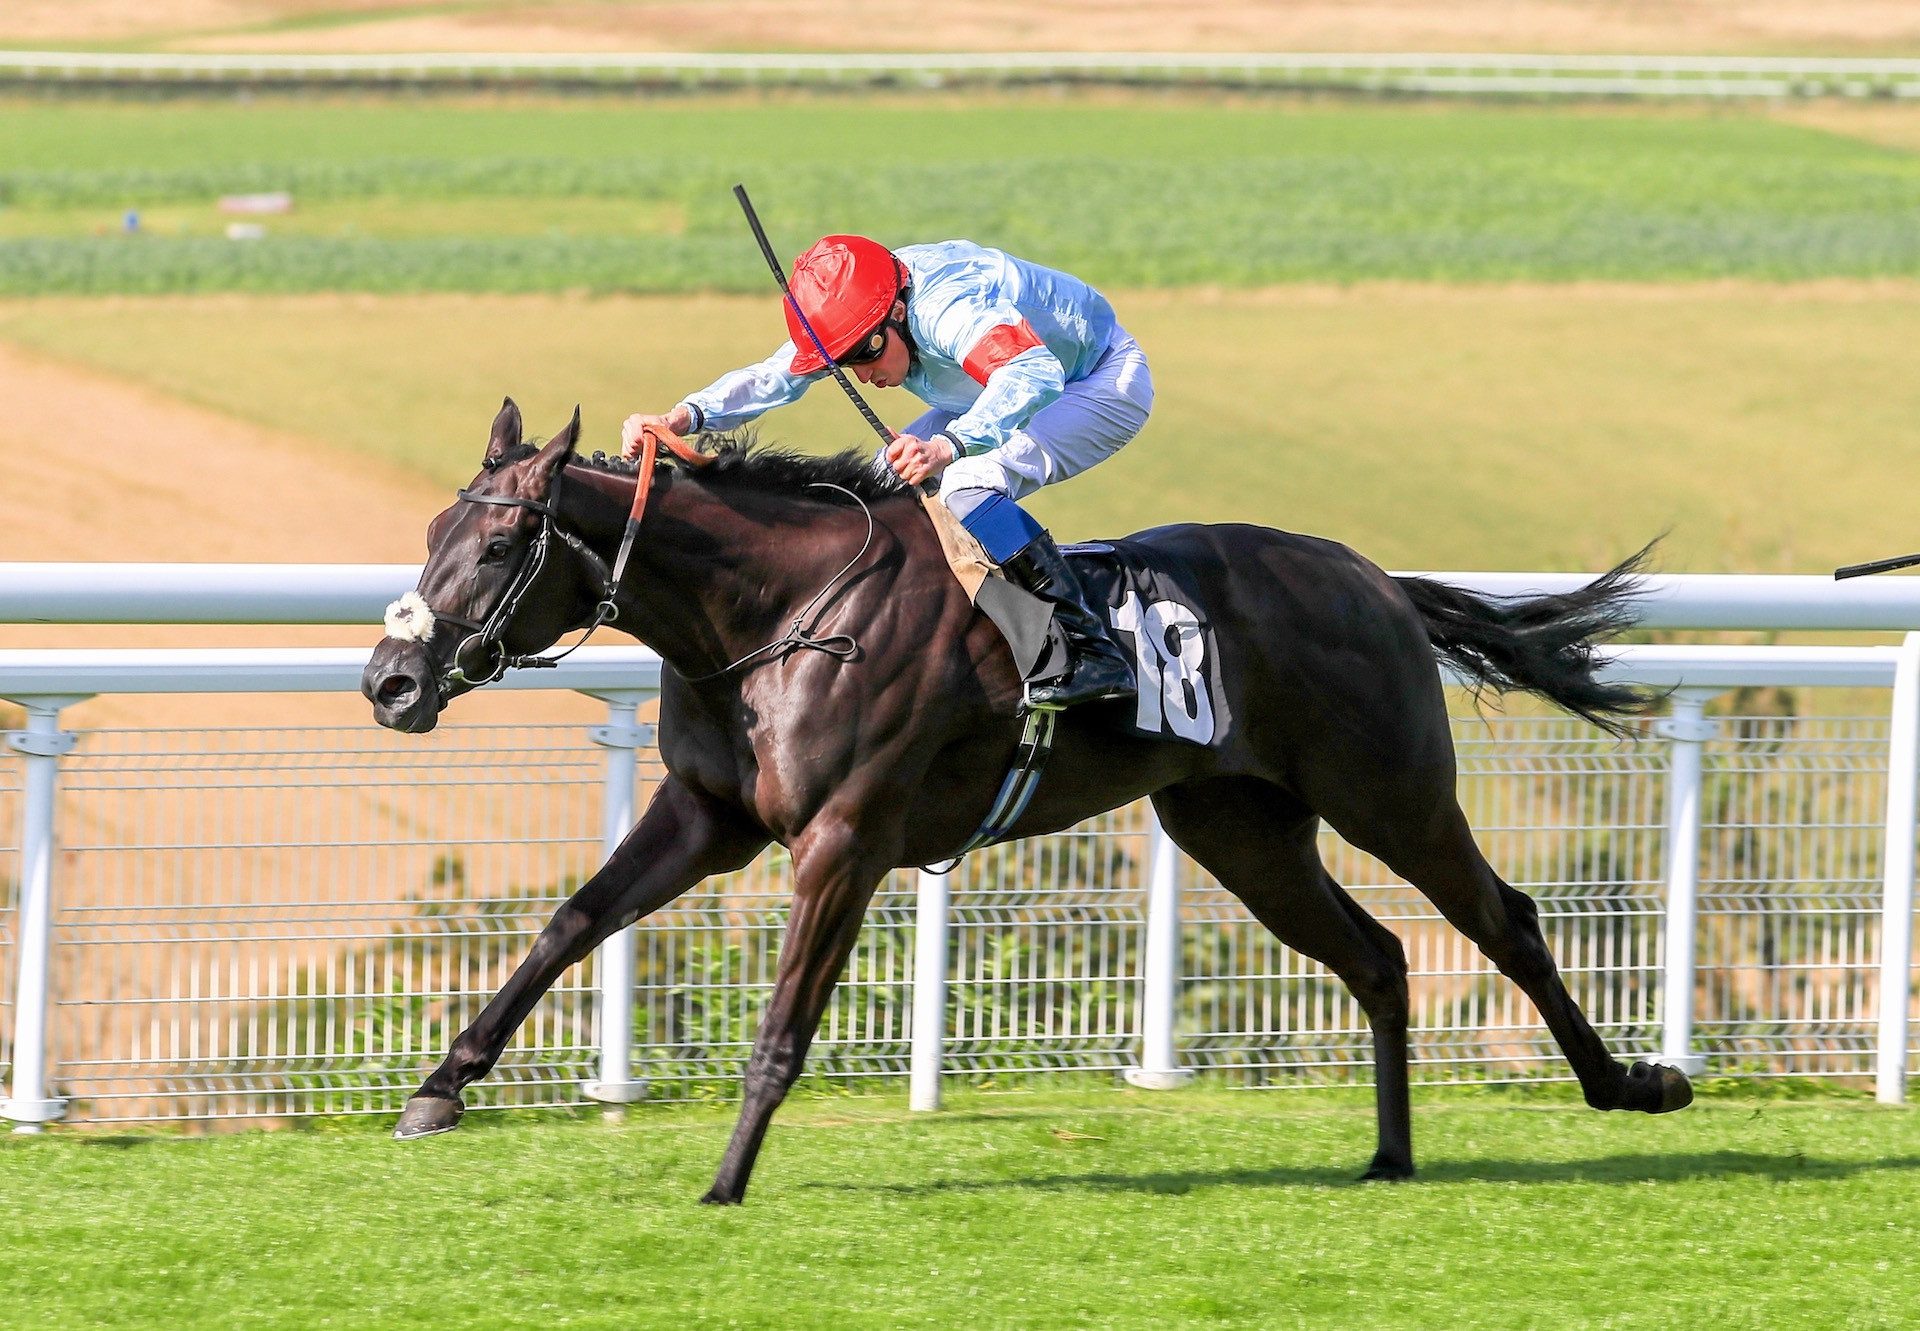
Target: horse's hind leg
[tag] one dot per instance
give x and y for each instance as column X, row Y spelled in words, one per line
column 683, row 837
column 1438, row 856
column 1259, row 842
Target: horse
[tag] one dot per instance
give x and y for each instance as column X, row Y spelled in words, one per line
column 880, row 745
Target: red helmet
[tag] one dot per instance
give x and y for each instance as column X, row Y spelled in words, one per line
column 846, row 285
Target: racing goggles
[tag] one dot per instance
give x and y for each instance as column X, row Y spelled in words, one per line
column 868, row 348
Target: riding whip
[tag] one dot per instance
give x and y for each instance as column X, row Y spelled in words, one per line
column 1876, row 566
column 780, row 276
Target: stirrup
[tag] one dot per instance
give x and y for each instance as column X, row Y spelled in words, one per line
column 1090, row 688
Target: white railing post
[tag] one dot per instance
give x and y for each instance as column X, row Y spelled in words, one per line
column 613, row 963
column 1686, row 731
column 929, row 989
column 1159, row 1068
column 41, row 744
column 1896, row 908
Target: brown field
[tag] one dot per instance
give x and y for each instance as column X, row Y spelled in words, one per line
column 101, row 469
column 1839, row 27
column 1896, row 127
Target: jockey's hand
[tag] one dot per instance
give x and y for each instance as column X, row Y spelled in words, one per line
column 677, row 421
column 915, row 460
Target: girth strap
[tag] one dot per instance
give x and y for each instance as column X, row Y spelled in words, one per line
column 1016, row 791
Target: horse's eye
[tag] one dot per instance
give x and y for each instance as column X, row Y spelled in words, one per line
column 497, row 549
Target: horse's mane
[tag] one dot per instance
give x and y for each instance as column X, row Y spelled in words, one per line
column 742, row 462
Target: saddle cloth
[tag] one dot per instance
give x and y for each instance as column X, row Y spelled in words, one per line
column 1159, row 619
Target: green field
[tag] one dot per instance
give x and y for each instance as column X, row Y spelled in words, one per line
column 1142, row 192
column 1653, row 370
column 1092, row 1209
column 1771, row 428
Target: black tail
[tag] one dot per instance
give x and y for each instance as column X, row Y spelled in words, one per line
column 1542, row 644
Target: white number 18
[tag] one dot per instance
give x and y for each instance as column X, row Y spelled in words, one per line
column 1168, row 652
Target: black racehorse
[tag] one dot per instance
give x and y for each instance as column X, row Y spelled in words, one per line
column 865, row 756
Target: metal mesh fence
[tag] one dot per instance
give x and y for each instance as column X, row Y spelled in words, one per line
column 271, row 923
column 1790, row 895
column 1564, row 813
column 290, row 922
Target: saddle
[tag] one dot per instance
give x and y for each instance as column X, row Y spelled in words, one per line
column 1151, row 605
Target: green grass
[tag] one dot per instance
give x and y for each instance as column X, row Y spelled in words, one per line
column 1107, row 1209
column 1772, row 428
column 1127, row 192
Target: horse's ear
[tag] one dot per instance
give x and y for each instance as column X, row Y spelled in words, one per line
column 505, row 434
column 558, row 450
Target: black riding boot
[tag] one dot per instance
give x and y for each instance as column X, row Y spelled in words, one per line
column 1096, row 669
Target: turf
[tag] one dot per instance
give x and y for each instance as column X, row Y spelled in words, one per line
column 1108, row 1209
column 1430, row 428
column 1183, row 192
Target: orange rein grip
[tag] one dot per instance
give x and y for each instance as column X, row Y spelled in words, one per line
column 651, row 440
column 681, row 449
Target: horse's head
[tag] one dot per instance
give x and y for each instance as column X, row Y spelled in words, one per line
column 497, row 584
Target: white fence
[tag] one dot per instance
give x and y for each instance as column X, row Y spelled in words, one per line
column 1480, row 75
column 241, row 923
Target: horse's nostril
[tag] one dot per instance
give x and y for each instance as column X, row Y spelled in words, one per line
column 395, row 687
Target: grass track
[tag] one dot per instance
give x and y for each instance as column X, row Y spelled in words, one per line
column 1105, row 1209
column 1527, row 427
column 1183, row 192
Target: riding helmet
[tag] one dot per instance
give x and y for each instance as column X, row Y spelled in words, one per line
column 846, row 285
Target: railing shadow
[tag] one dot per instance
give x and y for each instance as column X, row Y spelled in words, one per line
column 1613, row 1169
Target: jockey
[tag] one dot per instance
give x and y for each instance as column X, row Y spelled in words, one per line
column 1029, row 379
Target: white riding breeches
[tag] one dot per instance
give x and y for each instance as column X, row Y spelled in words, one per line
column 1091, row 420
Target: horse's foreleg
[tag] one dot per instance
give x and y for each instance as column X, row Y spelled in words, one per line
column 682, row 838
column 833, row 882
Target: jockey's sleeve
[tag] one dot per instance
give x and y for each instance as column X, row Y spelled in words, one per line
column 1018, row 376
column 744, row 394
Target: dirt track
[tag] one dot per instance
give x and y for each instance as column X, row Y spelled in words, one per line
column 1852, row 27
column 101, row 470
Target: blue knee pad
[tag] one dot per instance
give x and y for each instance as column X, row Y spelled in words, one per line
column 1001, row 526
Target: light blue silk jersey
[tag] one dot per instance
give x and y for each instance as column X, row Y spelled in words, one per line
column 975, row 314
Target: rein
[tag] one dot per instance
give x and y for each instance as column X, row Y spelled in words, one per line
column 840, row 646
column 486, row 635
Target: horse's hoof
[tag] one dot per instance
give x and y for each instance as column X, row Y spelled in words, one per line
column 427, row 1116
column 715, row 1197
column 1654, row 1088
column 1388, row 1171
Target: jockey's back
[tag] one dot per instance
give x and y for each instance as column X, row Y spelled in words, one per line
column 962, row 293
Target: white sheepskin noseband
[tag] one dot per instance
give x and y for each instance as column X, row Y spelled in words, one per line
column 410, row 619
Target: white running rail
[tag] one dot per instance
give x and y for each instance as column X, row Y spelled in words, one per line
column 53, row 593
column 1467, row 74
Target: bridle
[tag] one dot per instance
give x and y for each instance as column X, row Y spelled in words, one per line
column 485, row 636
